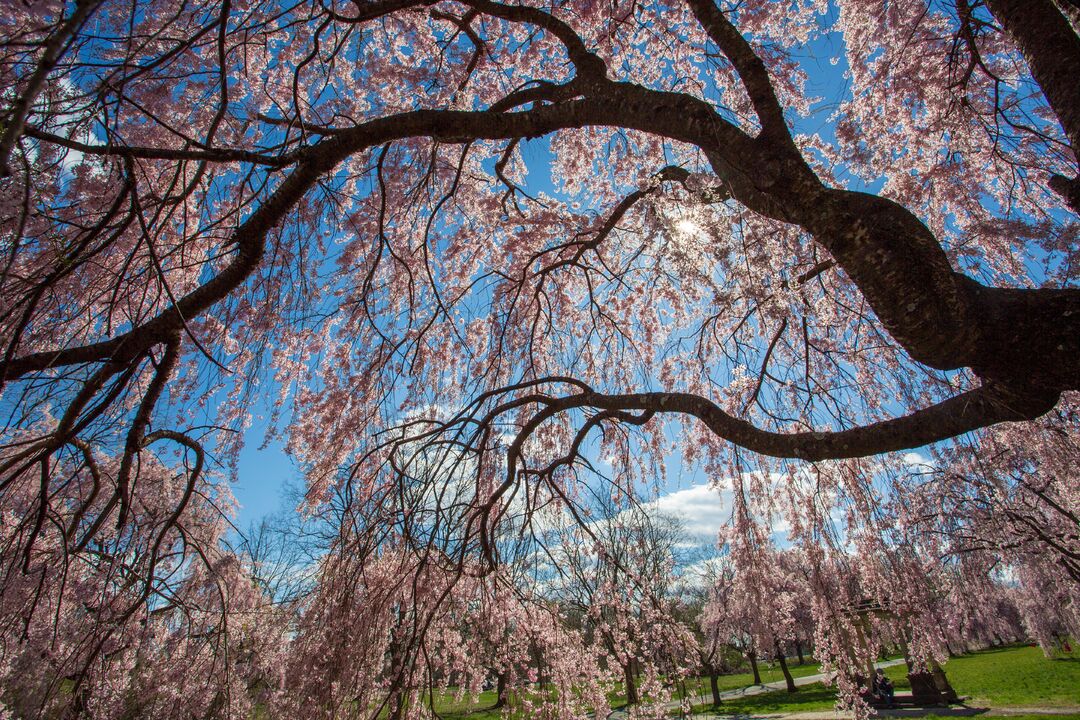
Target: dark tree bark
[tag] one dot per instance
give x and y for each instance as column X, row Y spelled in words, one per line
column 942, row 683
column 501, row 695
column 714, row 685
column 790, row 681
column 752, row 657
column 630, row 683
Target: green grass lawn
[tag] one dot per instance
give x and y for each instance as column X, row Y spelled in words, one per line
column 699, row 686
column 1020, row 676
column 479, row 707
column 475, row 707
column 1064, row 716
column 1017, row 676
column 809, row 698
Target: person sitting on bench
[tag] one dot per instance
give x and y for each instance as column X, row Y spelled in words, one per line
column 883, row 688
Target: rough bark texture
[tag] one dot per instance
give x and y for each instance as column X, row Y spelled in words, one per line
column 788, row 680
column 630, row 683
column 714, row 686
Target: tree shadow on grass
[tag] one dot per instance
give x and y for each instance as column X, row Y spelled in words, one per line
column 934, row 712
column 930, row 713
column 807, row 699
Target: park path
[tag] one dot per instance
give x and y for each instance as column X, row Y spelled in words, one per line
column 757, row 690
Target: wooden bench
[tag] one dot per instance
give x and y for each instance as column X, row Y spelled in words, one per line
column 924, row 693
column 905, row 701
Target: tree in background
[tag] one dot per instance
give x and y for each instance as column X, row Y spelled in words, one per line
column 617, row 575
column 709, row 582
column 1010, row 505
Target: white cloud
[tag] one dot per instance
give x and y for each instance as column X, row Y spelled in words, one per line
column 918, row 460
column 700, row 573
column 702, row 509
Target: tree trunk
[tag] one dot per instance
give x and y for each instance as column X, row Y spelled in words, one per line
column 942, row 683
column 752, row 656
column 397, row 705
column 631, row 688
column 500, row 691
column 715, row 686
column 783, row 667
column 539, row 657
column 798, row 650
column 399, row 675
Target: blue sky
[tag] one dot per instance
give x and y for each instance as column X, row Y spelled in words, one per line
column 266, row 472
column 263, row 475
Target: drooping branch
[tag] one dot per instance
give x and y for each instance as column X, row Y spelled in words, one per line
column 670, row 173
column 942, row 318
column 588, row 64
column 249, row 237
column 986, row 405
column 217, row 154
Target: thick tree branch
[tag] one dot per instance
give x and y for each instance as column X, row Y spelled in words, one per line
column 968, row 411
column 249, row 237
column 941, row 318
column 1052, row 50
column 751, row 70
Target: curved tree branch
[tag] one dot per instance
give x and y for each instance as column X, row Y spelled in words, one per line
column 943, row 319
column 986, row 405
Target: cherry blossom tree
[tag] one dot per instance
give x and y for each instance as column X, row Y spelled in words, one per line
column 753, row 605
column 764, row 598
column 702, row 595
column 723, row 625
column 333, row 209
column 616, row 575
column 1007, row 507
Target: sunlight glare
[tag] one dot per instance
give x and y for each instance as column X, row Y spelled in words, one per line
column 687, row 226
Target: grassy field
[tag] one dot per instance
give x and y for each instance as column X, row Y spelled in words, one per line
column 476, row 708
column 1020, row 676
column 769, row 673
column 1016, row 676
column 479, row 708
column 997, row 678
column 1063, row 716
column 698, row 687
